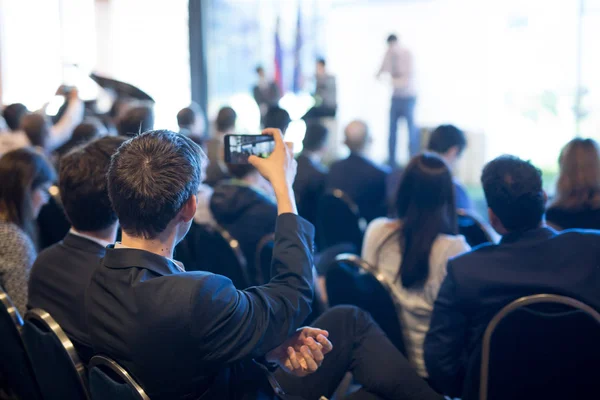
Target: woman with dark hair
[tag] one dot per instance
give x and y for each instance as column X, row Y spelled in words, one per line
column 577, row 201
column 26, row 177
column 412, row 251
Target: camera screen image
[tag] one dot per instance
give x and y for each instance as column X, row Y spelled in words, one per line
column 243, row 146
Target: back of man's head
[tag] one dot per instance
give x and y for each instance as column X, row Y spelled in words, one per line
column 514, row 193
column 83, row 185
column 277, row 117
column 315, row 138
column 226, row 118
column 37, row 128
column 12, row 114
column 357, row 136
column 391, row 39
column 445, row 137
column 136, row 120
column 88, row 130
column 150, row 178
column 241, row 171
column 186, row 117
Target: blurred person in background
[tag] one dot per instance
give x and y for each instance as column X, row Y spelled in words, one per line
column 278, row 118
column 266, row 93
column 577, row 200
column 91, row 128
column 412, row 251
column 449, row 142
column 26, row 176
column 13, row 113
column 36, row 129
column 309, row 184
column 325, row 93
column 192, row 123
column 216, row 170
column 357, row 176
column 398, row 64
column 135, row 120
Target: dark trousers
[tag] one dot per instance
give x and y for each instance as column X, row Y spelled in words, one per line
column 319, row 112
column 403, row 107
column 360, row 347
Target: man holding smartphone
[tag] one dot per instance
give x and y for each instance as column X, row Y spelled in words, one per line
column 186, row 335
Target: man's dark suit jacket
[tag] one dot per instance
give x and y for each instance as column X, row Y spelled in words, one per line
column 58, row 281
column 478, row 284
column 363, row 181
column 309, row 187
column 192, row 334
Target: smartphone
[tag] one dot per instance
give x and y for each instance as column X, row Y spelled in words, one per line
column 239, row 147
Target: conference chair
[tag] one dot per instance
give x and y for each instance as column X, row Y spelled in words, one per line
column 108, row 380
column 351, row 280
column 339, row 220
column 538, row 347
column 15, row 367
column 59, row 372
column 263, row 258
column 213, row 249
column 474, row 230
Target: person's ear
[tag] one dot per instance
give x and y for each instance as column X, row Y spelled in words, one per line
column 189, row 209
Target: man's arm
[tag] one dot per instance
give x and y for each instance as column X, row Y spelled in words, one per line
column 445, row 343
column 63, row 129
column 232, row 325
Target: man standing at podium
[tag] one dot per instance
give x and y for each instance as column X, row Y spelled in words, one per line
column 398, row 63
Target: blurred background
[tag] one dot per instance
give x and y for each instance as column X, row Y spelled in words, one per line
column 519, row 76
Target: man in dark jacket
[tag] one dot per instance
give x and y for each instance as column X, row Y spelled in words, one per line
column 530, row 259
column 310, row 179
column 359, row 177
column 62, row 272
column 192, row 335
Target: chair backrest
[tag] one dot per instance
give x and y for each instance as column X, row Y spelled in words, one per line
column 339, row 220
column 474, row 230
column 108, row 380
column 538, row 347
column 351, row 280
column 59, row 372
column 263, row 258
column 213, row 249
column 14, row 364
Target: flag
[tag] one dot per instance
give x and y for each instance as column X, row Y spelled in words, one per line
column 297, row 54
column 278, row 59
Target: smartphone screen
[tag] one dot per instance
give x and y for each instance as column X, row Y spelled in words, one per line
column 239, row 147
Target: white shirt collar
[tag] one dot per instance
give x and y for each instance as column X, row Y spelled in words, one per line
column 101, row 242
column 178, row 264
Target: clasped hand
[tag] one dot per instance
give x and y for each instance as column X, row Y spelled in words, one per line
column 303, row 353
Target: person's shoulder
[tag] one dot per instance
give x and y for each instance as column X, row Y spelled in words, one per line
column 50, row 254
column 11, row 233
column 578, row 236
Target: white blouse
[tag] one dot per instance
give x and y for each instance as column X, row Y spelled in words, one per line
column 381, row 248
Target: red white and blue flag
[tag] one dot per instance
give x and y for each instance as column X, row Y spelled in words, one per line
column 297, row 54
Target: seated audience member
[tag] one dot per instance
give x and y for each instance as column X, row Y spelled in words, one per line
column 530, row 259
column 244, row 206
column 13, row 113
column 310, row 179
column 325, row 93
column 135, row 120
column 449, row 142
column 359, row 177
column 62, row 272
column 192, row 123
column 26, row 176
column 277, row 118
column 186, row 335
column 577, row 201
column 216, row 170
column 85, row 132
column 413, row 250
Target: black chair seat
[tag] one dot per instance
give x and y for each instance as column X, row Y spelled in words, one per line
column 351, row 280
column 59, row 372
column 15, row 368
column 108, row 380
column 212, row 249
column 339, row 220
column 538, row 347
